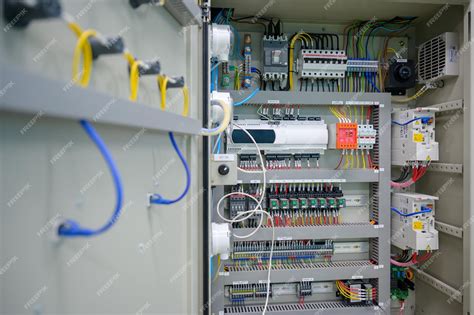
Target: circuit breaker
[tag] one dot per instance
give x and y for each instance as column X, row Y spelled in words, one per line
column 275, row 57
column 413, row 221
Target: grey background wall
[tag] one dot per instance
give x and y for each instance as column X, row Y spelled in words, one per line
column 148, row 262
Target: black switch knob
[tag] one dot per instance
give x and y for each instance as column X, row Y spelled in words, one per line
column 223, row 169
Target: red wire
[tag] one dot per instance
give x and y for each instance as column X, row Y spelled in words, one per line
column 371, row 165
column 340, row 161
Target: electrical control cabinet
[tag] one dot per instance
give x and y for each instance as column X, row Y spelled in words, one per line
column 413, row 222
column 413, row 137
column 269, row 184
column 324, row 228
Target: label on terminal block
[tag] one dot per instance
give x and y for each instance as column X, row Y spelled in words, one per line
column 273, row 102
column 224, row 157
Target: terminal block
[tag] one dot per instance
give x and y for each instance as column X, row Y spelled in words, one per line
column 362, row 66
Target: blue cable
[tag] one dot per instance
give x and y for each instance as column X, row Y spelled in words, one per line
column 248, row 98
column 71, row 228
column 236, row 50
column 423, row 210
column 370, row 79
column 158, row 199
column 424, row 120
column 218, row 146
column 214, row 77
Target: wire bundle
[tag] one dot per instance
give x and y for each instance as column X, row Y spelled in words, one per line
column 355, row 294
column 407, row 260
column 360, row 44
column 410, row 174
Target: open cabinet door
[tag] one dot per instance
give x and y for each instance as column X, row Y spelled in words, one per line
column 148, row 261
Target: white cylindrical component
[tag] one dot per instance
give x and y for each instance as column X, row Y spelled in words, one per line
column 221, row 240
column 217, row 113
column 221, row 42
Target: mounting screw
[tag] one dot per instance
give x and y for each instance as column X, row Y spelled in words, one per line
column 223, row 169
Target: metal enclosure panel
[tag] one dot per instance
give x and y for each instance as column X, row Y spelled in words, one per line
column 148, row 262
column 453, row 132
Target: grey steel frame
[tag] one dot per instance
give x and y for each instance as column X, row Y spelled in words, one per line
column 381, row 231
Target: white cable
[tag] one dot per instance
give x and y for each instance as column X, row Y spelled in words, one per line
column 245, row 215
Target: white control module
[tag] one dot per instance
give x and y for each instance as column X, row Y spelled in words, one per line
column 413, row 221
column 413, row 136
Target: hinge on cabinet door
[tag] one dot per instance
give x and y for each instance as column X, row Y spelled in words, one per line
column 206, row 11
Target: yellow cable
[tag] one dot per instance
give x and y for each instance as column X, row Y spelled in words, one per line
column 352, row 159
column 414, row 97
column 357, row 159
column 129, row 57
column 363, row 159
column 392, row 50
column 75, row 28
column 134, row 80
column 163, row 83
column 291, row 57
column 185, row 100
column 83, row 50
column 218, row 268
column 347, row 293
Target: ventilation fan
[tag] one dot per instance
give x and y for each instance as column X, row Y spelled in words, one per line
column 438, row 58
